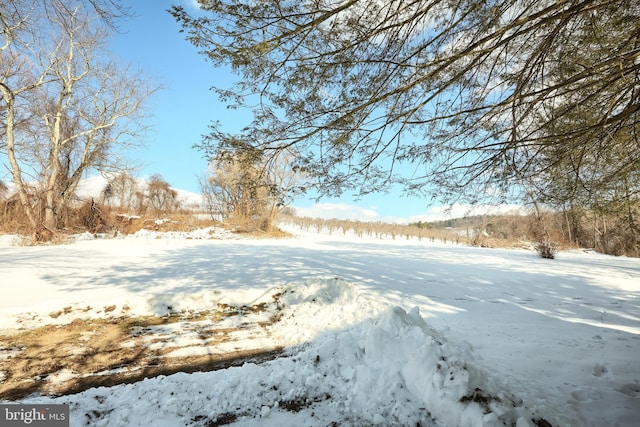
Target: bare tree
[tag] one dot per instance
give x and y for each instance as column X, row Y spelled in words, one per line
column 283, row 183
column 234, row 189
column 121, row 191
column 83, row 108
column 247, row 188
column 161, row 198
column 16, row 80
column 93, row 106
column 211, row 202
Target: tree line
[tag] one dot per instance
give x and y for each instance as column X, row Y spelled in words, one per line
column 122, row 197
column 67, row 106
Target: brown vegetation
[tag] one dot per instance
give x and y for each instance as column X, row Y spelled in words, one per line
column 97, row 217
column 86, row 216
column 614, row 233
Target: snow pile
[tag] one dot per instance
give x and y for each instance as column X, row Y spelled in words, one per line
column 419, row 378
column 321, row 305
column 391, row 351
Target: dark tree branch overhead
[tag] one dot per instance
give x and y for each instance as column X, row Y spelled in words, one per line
column 483, row 92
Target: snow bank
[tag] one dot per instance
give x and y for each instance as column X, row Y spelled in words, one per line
column 321, row 305
column 389, row 368
column 395, row 352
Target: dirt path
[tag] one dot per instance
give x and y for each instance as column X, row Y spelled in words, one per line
column 57, row 360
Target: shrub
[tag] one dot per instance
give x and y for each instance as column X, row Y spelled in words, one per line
column 92, row 217
column 546, row 249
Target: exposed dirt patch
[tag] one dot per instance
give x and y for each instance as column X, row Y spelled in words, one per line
column 56, row 360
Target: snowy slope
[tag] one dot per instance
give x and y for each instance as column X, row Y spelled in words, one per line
column 380, row 332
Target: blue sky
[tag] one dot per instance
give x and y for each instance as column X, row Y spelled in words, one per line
column 181, row 113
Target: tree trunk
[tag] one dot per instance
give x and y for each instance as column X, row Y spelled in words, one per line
column 16, row 172
column 52, row 196
column 51, row 199
column 593, row 234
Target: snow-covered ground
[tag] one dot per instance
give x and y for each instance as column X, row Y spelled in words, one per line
column 380, row 332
